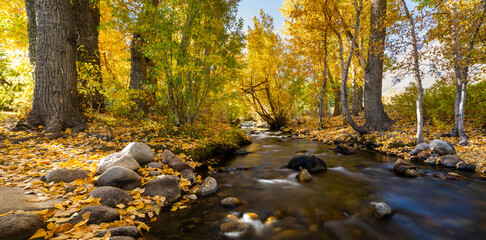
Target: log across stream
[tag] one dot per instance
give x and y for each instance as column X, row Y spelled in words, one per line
column 334, row 205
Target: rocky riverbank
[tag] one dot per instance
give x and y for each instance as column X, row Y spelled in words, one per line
column 400, row 142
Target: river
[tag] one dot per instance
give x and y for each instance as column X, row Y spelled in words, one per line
column 334, row 204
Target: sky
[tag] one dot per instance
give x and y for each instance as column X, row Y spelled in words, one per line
column 251, row 8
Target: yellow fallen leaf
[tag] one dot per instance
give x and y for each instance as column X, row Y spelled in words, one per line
column 40, row 233
column 51, row 225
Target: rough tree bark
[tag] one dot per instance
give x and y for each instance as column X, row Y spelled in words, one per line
column 138, row 71
column 376, row 118
column 418, row 78
column 54, row 104
column 31, row 28
column 87, row 21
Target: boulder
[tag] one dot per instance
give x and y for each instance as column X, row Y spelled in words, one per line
column 140, row 151
column 179, row 165
column 411, row 173
column 242, row 152
column 232, row 226
column 174, row 161
column 431, row 161
column 66, row 175
column 380, row 210
column 450, row 161
column 231, row 202
column 401, row 166
column 99, row 214
column 189, row 175
column 128, row 231
column 111, row 196
column 155, row 165
column 304, row 176
column 19, row 226
column 466, row 167
column 345, row 150
column 121, row 238
column 419, row 148
column 167, row 155
column 164, row 185
column 119, row 177
column 441, row 147
column 154, row 173
column 118, row 159
column 307, row 161
column 209, row 186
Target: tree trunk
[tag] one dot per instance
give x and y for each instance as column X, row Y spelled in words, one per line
column 337, row 103
column 54, row 104
column 31, row 28
column 355, row 95
column 138, row 72
column 376, row 118
column 345, row 70
column 87, row 21
column 323, row 89
column 418, row 78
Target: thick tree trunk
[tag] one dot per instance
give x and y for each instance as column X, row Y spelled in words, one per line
column 54, row 104
column 418, row 78
column 138, row 72
column 31, row 28
column 87, row 21
column 376, row 118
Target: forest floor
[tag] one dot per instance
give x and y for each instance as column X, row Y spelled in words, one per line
column 401, row 139
column 27, row 156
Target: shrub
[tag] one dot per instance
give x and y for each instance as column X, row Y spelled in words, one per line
column 438, row 103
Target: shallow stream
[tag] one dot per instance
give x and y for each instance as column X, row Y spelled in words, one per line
column 334, row 204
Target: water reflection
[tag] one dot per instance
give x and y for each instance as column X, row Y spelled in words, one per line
column 333, row 205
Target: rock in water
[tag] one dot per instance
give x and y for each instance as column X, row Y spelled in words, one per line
column 140, row 151
column 343, row 149
column 119, row 177
column 19, row 226
column 66, row 175
column 242, row 152
column 117, row 160
column 450, row 161
column 466, row 167
column 307, row 161
column 304, row 176
column 164, row 185
column 404, row 168
column 99, row 214
column 380, row 210
column 441, row 147
column 111, row 196
column 419, row 148
column 209, row 186
column 129, row 231
column 230, row 202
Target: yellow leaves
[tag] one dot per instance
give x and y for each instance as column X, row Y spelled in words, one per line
column 40, row 233
column 143, row 226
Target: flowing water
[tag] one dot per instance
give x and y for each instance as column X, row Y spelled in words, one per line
column 334, row 204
